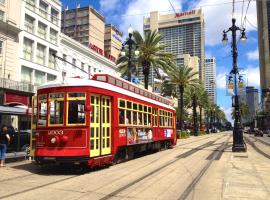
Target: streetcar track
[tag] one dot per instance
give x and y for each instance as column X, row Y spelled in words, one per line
column 37, row 187
column 216, row 154
column 261, row 141
column 43, row 170
column 111, row 194
column 256, row 148
column 114, row 193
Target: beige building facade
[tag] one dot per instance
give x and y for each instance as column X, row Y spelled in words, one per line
column 10, row 14
column 113, row 41
column 263, row 13
column 85, row 25
column 190, row 61
column 183, row 33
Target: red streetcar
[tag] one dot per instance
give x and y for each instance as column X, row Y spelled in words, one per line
column 98, row 121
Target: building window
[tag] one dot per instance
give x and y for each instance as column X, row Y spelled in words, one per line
column 50, row 77
column 27, row 49
column 43, row 9
column 82, row 66
column 2, row 15
column 42, row 30
column 30, row 4
column 53, row 36
column 41, row 54
column 64, row 59
column 74, row 61
column 26, row 75
column 29, row 24
column 52, row 58
column 1, row 46
column 39, row 77
column 54, row 16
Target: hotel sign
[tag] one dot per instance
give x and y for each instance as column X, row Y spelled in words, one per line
column 192, row 12
column 102, row 52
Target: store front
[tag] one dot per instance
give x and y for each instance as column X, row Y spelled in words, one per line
column 14, row 112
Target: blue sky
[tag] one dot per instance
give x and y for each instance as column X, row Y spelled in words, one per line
column 218, row 14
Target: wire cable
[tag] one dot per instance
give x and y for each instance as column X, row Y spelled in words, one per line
column 245, row 18
column 243, row 5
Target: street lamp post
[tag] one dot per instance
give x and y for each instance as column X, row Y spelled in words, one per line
column 238, row 142
column 129, row 43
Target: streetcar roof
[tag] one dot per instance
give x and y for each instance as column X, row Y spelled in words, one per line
column 74, row 82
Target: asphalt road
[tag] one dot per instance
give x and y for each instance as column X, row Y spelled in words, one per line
column 191, row 170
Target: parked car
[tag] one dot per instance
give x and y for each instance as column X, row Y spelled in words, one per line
column 20, row 140
column 258, row 133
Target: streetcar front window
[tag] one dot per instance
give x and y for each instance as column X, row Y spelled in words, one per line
column 76, row 108
column 56, row 109
column 42, row 110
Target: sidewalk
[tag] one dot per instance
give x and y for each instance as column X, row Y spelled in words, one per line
column 236, row 176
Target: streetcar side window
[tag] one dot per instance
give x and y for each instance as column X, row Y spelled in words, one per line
column 76, row 108
column 134, row 113
column 165, row 118
column 56, row 108
column 42, row 110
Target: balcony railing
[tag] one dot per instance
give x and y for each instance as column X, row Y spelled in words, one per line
column 16, row 85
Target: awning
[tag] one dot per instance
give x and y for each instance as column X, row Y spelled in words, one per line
column 13, row 111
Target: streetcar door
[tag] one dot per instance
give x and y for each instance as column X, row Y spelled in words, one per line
column 33, row 126
column 100, row 125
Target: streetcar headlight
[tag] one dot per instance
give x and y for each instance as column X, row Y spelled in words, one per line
column 53, row 140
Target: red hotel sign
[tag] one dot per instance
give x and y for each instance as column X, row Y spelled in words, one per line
column 192, row 12
column 11, row 98
column 101, row 52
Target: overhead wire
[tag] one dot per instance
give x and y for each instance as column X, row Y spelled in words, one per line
column 245, row 18
column 243, row 5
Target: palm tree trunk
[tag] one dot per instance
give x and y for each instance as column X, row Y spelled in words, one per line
column 195, row 121
column 181, row 106
column 200, row 117
column 146, row 71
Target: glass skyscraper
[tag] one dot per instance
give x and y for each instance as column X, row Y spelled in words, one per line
column 183, row 33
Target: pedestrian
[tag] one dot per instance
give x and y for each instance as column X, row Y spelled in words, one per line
column 4, row 141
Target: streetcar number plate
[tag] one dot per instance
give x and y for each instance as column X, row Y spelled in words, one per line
column 49, row 158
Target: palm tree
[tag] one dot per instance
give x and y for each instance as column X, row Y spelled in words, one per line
column 168, row 89
column 151, row 55
column 182, row 77
column 191, row 101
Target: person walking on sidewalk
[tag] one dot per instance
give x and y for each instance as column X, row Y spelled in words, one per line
column 4, row 141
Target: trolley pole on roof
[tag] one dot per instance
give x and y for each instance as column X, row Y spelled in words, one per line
column 59, row 58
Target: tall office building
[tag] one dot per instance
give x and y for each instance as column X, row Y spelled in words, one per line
column 113, row 40
column 263, row 18
column 210, row 78
column 251, row 100
column 39, row 41
column 85, row 25
column 183, row 33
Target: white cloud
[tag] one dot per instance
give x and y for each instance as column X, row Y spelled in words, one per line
column 221, row 80
column 108, row 5
column 253, row 55
column 137, row 9
column 253, row 76
column 218, row 17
